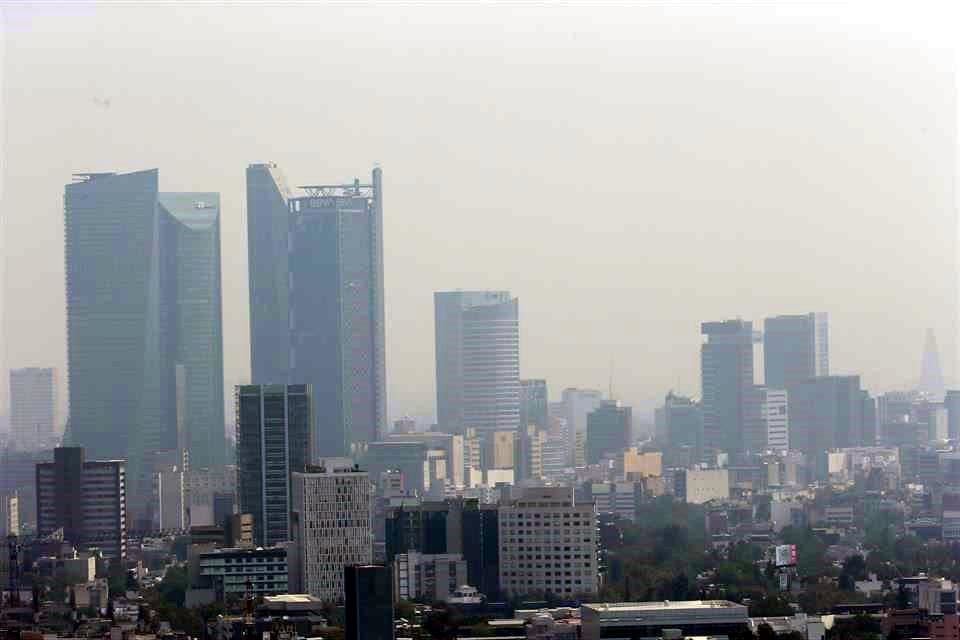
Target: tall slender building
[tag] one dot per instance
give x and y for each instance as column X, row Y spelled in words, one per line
column 726, row 367
column 478, row 361
column 316, row 301
column 533, row 404
column 33, row 407
column 273, row 441
column 931, row 375
column 795, row 348
column 144, row 338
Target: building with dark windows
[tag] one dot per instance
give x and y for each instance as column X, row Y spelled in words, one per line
column 830, row 412
column 795, row 348
column 369, row 603
column 609, row 430
column 726, row 375
column 144, row 338
column 478, row 361
column 683, row 429
column 85, row 498
column 227, row 572
column 533, row 404
column 273, row 441
column 316, row 301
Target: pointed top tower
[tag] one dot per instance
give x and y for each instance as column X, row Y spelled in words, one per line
column 931, row 375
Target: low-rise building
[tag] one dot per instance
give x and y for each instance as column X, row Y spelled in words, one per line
column 227, row 571
column 697, row 486
column 650, row 619
column 430, row 577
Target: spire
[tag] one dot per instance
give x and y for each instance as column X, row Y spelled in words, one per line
column 931, row 376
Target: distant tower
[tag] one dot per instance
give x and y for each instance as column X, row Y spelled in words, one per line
column 931, row 375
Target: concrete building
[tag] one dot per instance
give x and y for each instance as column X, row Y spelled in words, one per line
column 697, row 486
column 652, row 619
column 531, row 445
column 826, row 413
column 227, row 571
column 609, row 430
column 9, row 514
column 726, row 369
column 144, row 335
column 432, row 577
column 617, row 498
column 369, row 603
column 499, row 450
column 478, row 361
column 683, row 425
column 555, row 456
column 273, row 441
column 533, row 404
column 333, row 529
column 795, row 348
column 171, row 498
column 320, row 321
column 450, row 443
column 632, row 464
column 532, row 526
column 408, row 457
column 767, row 426
column 577, row 405
column 85, row 498
column 33, row 407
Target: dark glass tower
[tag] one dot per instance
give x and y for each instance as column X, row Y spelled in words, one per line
column 328, row 321
column 795, row 348
column 144, row 338
column 369, row 602
column 273, row 440
column 726, row 369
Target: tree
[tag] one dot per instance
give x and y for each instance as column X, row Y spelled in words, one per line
column 771, row 606
column 766, row 632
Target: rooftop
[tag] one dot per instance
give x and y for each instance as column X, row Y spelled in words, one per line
column 660, row 605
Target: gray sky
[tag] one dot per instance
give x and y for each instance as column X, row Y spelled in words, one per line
column 626, row 171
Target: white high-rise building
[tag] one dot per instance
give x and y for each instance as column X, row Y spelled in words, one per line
column 548, row 543
column 33, row 407
column 332, row 526
column 774, row 408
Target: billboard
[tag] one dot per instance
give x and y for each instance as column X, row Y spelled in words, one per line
column 785, row 555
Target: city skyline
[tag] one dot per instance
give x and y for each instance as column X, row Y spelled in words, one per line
column 444, row 241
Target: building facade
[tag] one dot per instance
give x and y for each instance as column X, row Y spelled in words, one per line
column 726, row 375
column 533, row 404
column 609, row 431
column 477, row 361
column 433, row 578
column 316, row 301
column 795, row 348
column 369, row 603
column 548, row 544
column 274, row 429
column 33, row 407
column 826, row 413
column 577, row 405
column 85, row 498
column 144, row 337
column 227, row 571
column 332, row 520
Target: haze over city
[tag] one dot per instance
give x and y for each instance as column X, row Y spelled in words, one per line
column 626, row 174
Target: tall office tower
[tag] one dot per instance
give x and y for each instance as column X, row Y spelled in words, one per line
column 683, row 424
column 931, row 375
column 577, row 404
column 332, row 524
column 726, row 370
column 369, row 603
column 316, row 298
column 530, row 527
column 767, row 424
column 826, row 413
column 85, row 498
column 951, row 401
column 33, row 407
column 795, row 348
column 273, row 440
column 478, row 361
column 609, row 430
column 533, row 404
column 144, row 339
column 9, row 514
column 530, row 446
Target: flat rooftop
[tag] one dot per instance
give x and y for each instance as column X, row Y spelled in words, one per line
column 663, row 605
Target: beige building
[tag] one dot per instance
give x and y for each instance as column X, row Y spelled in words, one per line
column 500, row 449
column 634, row 465
column 548, row 543
column 704, row 485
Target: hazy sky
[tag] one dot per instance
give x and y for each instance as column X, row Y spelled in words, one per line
column 626, row 171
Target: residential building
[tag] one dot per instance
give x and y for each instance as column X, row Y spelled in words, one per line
column 333, row 529
column 33, row 407
column 548, row 544
column 795, row 348
column 609, row 430
column 85, row 498
column 533, row 404
column 274, row 430
column 577, row 405
column 652, row 619
column 369, row 603
column 144, row 332
column 478, row 361
column 433, row 578
column 227, row 571
column 726, row 367
column 316, row 301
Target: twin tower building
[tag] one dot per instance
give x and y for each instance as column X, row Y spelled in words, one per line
column 144, row 321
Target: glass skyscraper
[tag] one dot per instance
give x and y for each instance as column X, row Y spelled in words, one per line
column 144, row 337
column 316, row 301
